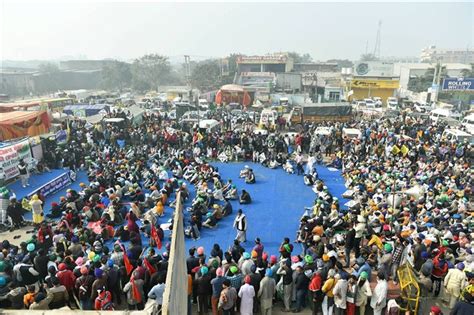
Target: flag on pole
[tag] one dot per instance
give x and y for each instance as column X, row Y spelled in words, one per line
column 395, row 150
column 155, row 237
column 148, row 266
column 404, row 150
column 126, row 261
column 68, row 131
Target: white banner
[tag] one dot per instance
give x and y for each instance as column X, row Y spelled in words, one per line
column 11, row 155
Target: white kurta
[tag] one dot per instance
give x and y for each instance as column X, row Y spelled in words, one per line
column 246, row 293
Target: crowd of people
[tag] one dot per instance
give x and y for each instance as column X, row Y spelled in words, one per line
column 411, row 193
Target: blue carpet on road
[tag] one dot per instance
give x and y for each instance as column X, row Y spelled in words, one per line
column 278, row 201
column 37, row 181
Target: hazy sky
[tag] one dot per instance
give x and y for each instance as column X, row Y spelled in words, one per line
column 325, row 30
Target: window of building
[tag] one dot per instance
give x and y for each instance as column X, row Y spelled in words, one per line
column 334, row 96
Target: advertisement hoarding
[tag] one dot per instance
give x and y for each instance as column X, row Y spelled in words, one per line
column 458, row 84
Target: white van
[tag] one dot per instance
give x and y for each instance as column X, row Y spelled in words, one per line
column 468, row 123
column 351, row 133
column 203, row 104
column 458, row 135
column 441, row 112
column 209, row 125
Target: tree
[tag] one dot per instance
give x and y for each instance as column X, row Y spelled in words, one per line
column 50, row 77
column 116, row 75
column 297, row 58
column 421, row 83
column 150, row 71
column 206, row 75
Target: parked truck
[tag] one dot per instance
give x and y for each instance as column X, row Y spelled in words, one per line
column 316, row 113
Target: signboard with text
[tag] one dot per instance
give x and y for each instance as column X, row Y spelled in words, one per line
column 458, row 84
column 375, row 84
column 11, row 155
column 373, row 69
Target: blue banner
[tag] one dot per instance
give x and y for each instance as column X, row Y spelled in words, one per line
column 458, row 84
column 53, row 186
column 61, row 136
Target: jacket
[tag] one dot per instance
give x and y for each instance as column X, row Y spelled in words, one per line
column 363, row 293
column 203, row 285
column 128, row 289
column 340, row 293
column 44, row 304
column 267, row 288
column 454, row 281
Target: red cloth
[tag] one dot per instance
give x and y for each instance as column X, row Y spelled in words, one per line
column 67, row 279
column 155, row 237
column 316, row 283
column 126, row 261
column 135, row 291
column 149, row 266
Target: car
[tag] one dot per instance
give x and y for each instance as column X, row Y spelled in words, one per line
column 421, row 107
column 369, row 102
column 172, row 114
column 359, row 105
column 203, row 104
column 392, row 103
column 378, row 101
column 468, row 123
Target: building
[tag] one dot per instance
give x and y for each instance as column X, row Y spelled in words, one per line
column 373, row 79
column 257, row 84
column 276, row 63
column 316, row 67
column 405, row 71
column 288, row 82
column 15, row 82
column 434, row 54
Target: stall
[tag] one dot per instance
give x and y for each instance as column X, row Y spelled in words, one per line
column 86, row 110
column 233, row 93
column 23, row 123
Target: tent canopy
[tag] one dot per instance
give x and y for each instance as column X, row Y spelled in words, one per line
column 17, row 117
column 232, row 88
column 85, row 110
column 18, row 124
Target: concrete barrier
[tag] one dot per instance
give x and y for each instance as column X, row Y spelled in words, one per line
column 175, row 298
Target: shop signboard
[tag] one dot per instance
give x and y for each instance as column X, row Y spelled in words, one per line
column 458, row 84
column 375, row 84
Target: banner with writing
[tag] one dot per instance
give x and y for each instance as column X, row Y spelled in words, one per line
column 11, row 155
column 53, row 186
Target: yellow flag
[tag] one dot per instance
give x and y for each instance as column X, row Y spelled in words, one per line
column 68, row 130
column 404, row 150
column 395, row 150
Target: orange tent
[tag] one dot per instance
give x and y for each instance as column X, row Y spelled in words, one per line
column 233, row 93
column 18, row 124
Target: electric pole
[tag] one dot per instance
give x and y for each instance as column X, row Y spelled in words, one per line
column 377, row 41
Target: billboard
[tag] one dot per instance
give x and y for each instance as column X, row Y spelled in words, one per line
column 11, row 155
column 373, row 69
column 375, row 84
column 458, row 84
